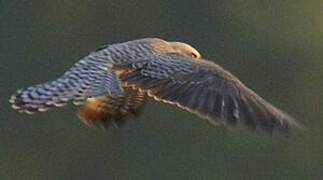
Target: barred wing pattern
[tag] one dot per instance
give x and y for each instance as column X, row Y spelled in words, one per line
column 205, row 89
column 88, row 77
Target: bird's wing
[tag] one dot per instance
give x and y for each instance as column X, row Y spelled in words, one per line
column 89, row 77
column 203, row 88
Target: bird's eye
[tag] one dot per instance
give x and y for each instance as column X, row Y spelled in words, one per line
column 194, row 55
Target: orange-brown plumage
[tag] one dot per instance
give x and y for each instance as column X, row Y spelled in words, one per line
column 105, row 109
column 92, row 112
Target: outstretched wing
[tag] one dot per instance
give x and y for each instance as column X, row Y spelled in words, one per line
column 87, row 78
column 204, row 88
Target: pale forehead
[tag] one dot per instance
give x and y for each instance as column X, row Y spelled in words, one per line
column 184, row 47
column 168, row 46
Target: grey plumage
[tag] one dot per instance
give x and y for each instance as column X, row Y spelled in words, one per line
column 90, row 77
column 170, row 72
column 81, row 81
column 205, row 89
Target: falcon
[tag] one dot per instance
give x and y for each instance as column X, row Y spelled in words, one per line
column 113, row 82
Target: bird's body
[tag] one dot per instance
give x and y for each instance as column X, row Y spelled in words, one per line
column 113, row 82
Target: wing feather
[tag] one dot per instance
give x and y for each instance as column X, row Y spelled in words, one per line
column 204, row 88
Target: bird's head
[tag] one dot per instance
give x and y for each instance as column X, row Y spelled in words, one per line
column 175, row 47
column 184, row 49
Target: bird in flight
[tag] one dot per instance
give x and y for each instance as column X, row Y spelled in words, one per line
column 113, row 82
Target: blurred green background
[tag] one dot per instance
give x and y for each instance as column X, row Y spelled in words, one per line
column 274, row 47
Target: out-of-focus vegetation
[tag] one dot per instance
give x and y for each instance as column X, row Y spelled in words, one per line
column 275, row 47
